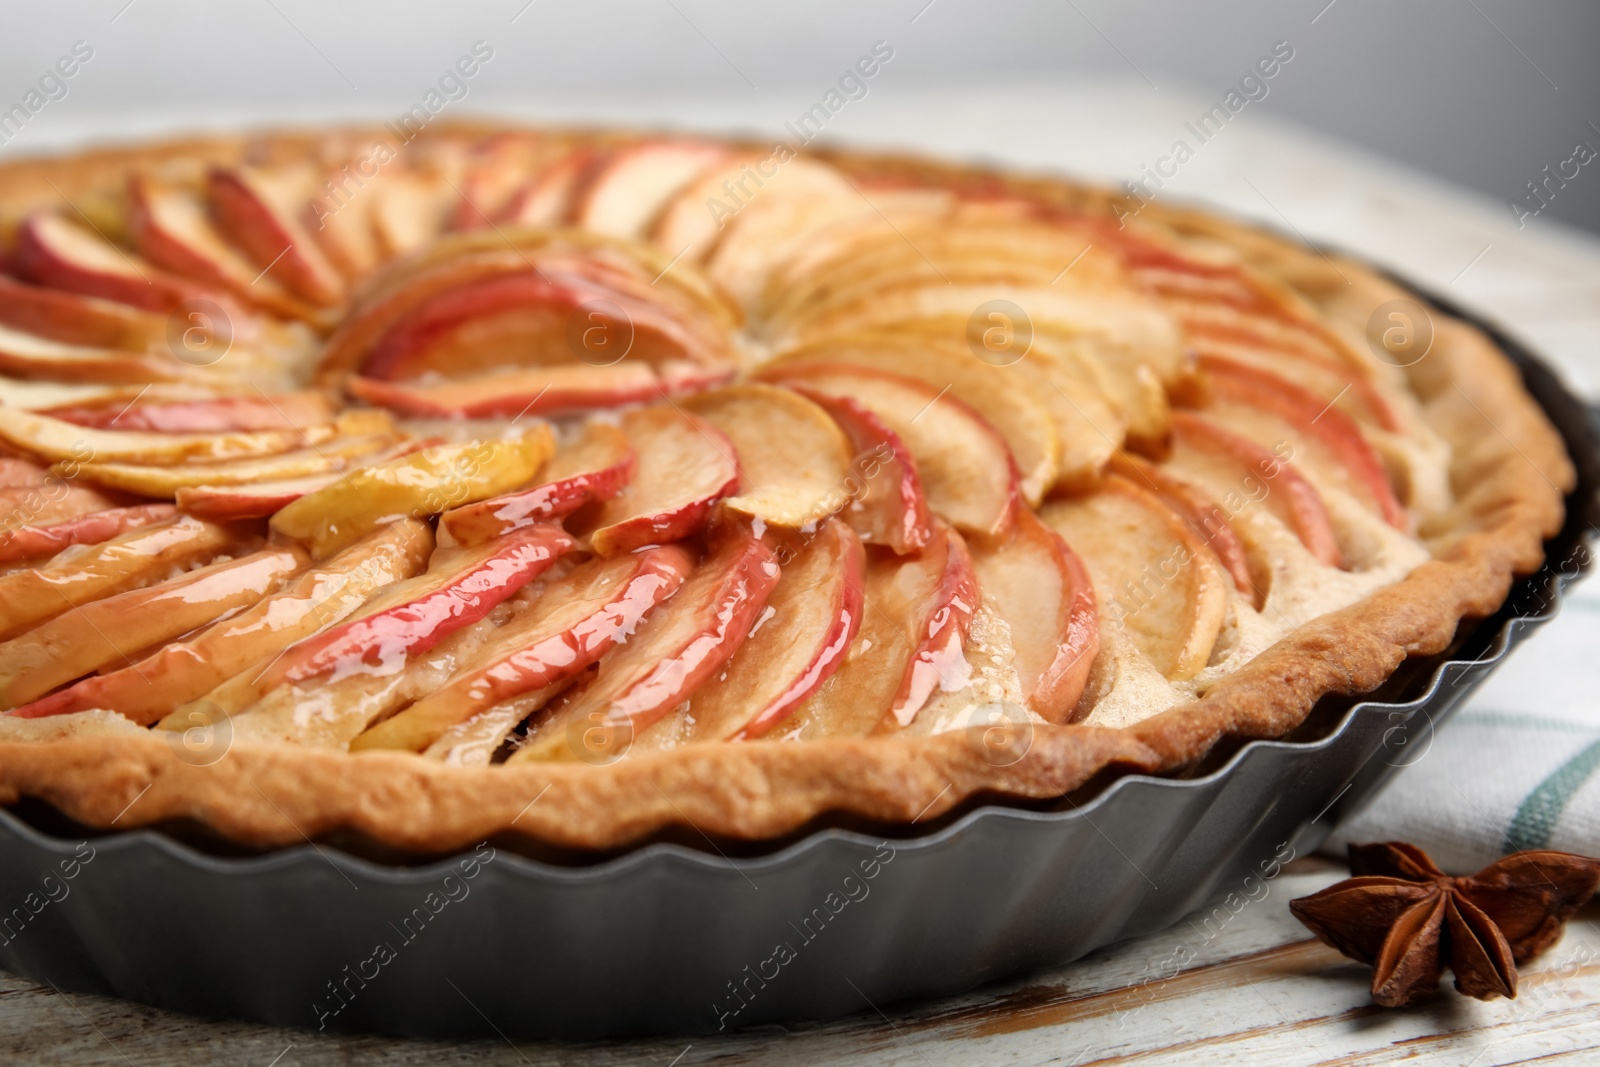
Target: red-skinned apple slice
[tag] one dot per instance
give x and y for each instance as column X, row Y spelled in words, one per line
column 919, row 610
column 262, row 411
column 547, row 199
column 129, row 560
column 261, row 211
column 1195, row 507
column 54, row 252
column 681, row 648
column 70, row 646
column 888, row 507
column 35, row 541
column 459, row 589
column 576, row 620
column 543, row 390
column 967, row 472
column 498, row 169
column 1154, row 576
column 1040, row 587
column 595, row 467
column 256, row 500
column 1245, row 472
column 800, row 640
column 171, row 229
column 698, row 212
column 51, row 502
column 58, row 440
column 24, row 355
column 74, row 319
column 423, row 483
column 684, row 466
column 1333, row 442
column 186, row 670
column 626, row 193
column 794, row 460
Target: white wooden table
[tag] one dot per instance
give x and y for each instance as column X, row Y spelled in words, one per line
column 1261, row 992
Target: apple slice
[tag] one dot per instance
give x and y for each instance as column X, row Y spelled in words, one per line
column 1195, row 506
column 475, row 742
column 699, row 212
column 340, row 221
column 25, row 355
column 170, row 228
column 684, row 466
column 794, row 460
column 1008, row 397
column 595, row 467
column 417, row 485
column 186, row 670
column 17, row 472
column 887, row 505
column 162, row 482
column 256, row 500
column 35, row 541
column 281, row 411
column 1154, row 576
column 261, row 212
column 1040, row 587
column 410, row 210
column 1328, row 440
column 51, row 502
column 1245, row 473
column 54, row 252
column 966, row 469
column 626, row 193
column 129, row 560
column 547, row 199
column 497, row 169
column 683, row 647
column 461, row 586
column 59, row 440
column 543, row 390
column 73, row 319
column 70, row 646
column 919, row 610
column 575, row 620
column 799, row 641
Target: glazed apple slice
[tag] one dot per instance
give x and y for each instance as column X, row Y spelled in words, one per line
column 170, row 227
column 51, row 502
column 163, row 482
column 967, row 471
column 186, row 670
column 1040, row 587
column 575, row 620
column 546, row 390
column 106, row 632
column 37, row 540
column 475, row 742
column 1006, row 396
column 684, row 466
column 1196, row 507
column 74, row 319
column 24, row 355
column 799, row 641
column 420, row 484
column 225, row 414
column 595, row 467
column 261, row 212
column 680, row 649
column 919, row 610
column 1330, row 442
column 1154, row 577
column 256, row 500
column 887, row 505
column 794, row 460
column 59, row 254
column 58, row 440
column 1247, row 474
column 626, row 193
column 460, row 587
column 127, row 561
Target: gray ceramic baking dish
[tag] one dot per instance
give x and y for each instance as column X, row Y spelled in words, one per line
column 673, row 938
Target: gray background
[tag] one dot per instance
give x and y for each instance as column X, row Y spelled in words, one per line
column 1483, row 93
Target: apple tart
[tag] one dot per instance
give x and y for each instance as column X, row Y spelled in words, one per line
column 582, row 486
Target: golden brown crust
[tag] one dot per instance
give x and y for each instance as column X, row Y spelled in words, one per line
column 1508, row 468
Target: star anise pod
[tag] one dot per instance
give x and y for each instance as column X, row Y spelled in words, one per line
column 1407, row 918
